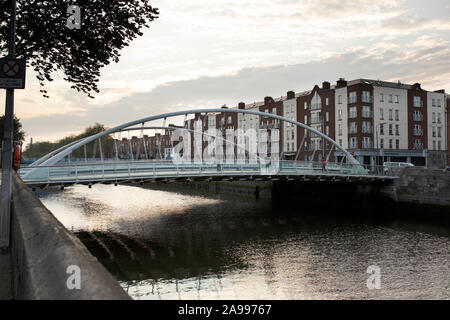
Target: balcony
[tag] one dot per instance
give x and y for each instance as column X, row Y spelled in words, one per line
column 418, row 132
column 353, row 145
column 417, row 117
column 418, row 146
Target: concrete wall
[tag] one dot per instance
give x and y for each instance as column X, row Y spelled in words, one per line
column 418, row 185
column 42, row 250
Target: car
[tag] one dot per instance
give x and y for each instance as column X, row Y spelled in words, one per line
column 390, row 165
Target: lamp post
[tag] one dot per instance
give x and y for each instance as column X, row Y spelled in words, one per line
column 376, row 131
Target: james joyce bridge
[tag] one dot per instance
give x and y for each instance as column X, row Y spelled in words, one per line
column 198, row 154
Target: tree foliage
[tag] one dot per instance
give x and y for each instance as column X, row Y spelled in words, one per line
column 44, row 39
column 40, row 149
column 19, row 134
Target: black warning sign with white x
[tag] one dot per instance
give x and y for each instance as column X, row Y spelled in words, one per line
column 12, row 73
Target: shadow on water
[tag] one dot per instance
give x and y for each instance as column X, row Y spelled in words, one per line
column 226, row 246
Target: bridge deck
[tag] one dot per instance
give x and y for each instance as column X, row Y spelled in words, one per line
column 151, row 170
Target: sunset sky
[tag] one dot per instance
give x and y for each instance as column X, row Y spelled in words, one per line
column 203, row 53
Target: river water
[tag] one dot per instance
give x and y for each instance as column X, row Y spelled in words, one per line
column 184, row 244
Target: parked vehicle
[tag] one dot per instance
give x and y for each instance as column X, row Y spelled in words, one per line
column 389, row 165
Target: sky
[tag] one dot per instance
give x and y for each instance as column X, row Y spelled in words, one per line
column 203, row 53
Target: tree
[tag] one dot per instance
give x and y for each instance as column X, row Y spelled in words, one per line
column 44, row 39
column 40, row 149
column 19, row 134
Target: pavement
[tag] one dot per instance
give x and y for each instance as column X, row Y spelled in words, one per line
column 5, row 277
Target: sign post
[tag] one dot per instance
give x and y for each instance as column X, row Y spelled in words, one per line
column 12, row 76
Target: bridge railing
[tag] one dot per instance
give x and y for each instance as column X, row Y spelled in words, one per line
column 121, row 170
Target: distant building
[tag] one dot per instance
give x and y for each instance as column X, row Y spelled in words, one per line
column 377, row 121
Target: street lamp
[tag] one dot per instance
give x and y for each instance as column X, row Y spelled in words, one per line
column 376, row 131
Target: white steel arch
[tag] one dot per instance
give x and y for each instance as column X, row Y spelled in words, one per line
column 56, row 157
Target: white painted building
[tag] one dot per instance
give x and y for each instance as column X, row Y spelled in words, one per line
column 341, row 117
column 390, row 117
column 290, row 130
column 436, row 121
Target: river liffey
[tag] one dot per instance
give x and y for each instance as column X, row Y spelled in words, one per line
column 184, row 244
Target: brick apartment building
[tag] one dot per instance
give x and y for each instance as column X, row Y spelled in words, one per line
column 377, row 121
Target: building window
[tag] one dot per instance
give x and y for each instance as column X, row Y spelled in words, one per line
column 340, row 115
column 306, row 120
column 433, row 102
column 390, row 98
column 366, row 127
column 353, row 143
column 381, row 97
column 439, row 132
column 340, row 142
column 326, row 101
column 353, row 127
column 381, row 114
column 397, row 131
column 397, row 144
column 434, row 132
column 381, row 143
column 433, row 117
column 352, row 97
column 366, row 112
column 327, row 116
column 396, row 98
column 434, row 144
column 230, row 120
column 438, row 104
column 417, row 131
column 367, row 143
column 390, row 114
column 397, row 117
column 340, row 99
column 390, row 143
column 439, row 145
column 365, row 96
column 292, row 134
column 390, row 129
column 340, row 129
column 352, row 112
column 417, row 102
column 382, row 129
column 417, row 116
column 418, row 144
column 306, row 105
column 438, row 118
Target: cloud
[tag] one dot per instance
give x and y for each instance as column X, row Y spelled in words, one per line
column 252, row 84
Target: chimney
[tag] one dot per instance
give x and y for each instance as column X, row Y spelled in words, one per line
column 290, row 95
column 268, row 100
column 326, row 85
column 341, row 83
column 416, row 86
column 241, row 105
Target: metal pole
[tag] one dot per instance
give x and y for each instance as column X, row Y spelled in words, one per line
column 7, row 146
